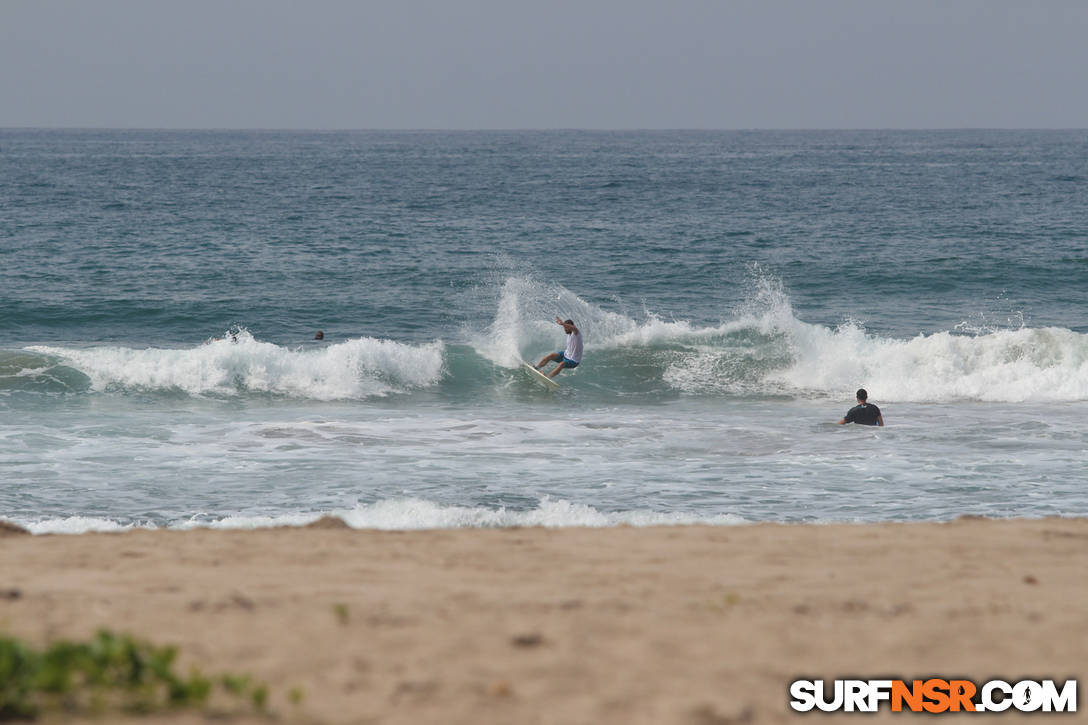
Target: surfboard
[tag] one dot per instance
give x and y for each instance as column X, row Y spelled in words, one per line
column 540, row 377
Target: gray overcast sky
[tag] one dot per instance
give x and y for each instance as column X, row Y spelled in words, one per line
column 547, row 64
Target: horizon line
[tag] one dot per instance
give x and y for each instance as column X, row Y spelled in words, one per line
column 542, row 129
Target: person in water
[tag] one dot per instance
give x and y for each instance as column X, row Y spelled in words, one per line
column 571, row 356
column 864, row 413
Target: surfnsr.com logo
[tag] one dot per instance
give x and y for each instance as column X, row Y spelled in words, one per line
column 934, row 695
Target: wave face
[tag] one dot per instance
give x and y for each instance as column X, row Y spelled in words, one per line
column 24, row 370
column 238, row 364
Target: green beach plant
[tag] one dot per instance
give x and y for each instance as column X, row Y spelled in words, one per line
column 110, row 672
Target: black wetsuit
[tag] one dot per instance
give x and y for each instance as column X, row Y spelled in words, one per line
column 864, row 414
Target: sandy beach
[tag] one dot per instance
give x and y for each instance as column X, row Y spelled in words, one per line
column 697, row 625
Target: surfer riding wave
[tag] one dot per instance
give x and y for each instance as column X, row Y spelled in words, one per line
column 569, row 357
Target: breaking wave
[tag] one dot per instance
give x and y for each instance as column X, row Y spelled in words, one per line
column 760, row 348
column 238, row 363
column 764, row 349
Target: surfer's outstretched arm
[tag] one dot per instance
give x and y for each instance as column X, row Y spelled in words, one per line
column 567, row 324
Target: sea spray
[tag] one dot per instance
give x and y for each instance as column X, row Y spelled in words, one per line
column 524, row 322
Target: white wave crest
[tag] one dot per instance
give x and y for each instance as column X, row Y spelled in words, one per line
column 354, row 369
column 1011, row 366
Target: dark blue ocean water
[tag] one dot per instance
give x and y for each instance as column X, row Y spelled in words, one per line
column 734, row 289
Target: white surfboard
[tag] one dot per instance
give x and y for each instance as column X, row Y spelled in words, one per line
column 540, row 377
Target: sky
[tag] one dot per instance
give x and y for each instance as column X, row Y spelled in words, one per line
column 509, row 64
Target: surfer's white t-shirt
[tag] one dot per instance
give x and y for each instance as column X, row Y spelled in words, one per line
column 574, row 347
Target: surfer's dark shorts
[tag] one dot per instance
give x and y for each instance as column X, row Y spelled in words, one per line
column 564, row 361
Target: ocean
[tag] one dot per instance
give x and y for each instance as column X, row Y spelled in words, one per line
column 160, row 292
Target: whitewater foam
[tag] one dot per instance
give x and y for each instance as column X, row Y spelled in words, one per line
column 80, row 525
column 238, row 363
column 404, row 515
column 1008, row 366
